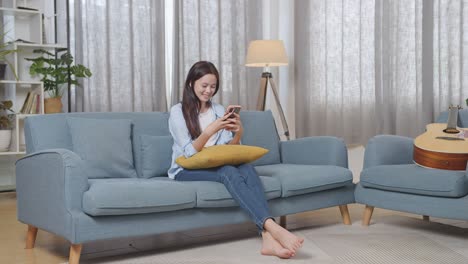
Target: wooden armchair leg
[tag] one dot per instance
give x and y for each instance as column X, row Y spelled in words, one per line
column 283, row 221
column 345, row 214
column 31, row 237
column 75, row 253
column 367, row 215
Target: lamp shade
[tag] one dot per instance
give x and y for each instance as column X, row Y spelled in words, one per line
column 266, row 53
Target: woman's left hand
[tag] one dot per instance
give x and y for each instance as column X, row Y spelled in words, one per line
column 235, row 124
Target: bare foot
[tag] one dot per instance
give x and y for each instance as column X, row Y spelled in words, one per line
column 283, row 236
column 271, row 247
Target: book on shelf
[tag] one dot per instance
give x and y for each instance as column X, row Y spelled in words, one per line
column 32, row 104
column 38, row 105
column 28, row 103
column 23, row 108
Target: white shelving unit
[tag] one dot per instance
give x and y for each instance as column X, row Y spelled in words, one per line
column 16, row 91
column 23, row 26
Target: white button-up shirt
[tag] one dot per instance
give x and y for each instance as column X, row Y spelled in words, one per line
column 182, row 139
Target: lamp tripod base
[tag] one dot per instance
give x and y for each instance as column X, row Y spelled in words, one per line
column 267, row 77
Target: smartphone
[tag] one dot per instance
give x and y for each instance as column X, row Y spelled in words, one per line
column 233, row 109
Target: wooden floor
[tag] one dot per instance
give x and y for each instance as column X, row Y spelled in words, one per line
column 49, row 248
column 53, row 249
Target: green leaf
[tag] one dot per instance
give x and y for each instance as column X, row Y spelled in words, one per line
column 57, row 70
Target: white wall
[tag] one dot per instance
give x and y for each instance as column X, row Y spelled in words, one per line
column 355, row 160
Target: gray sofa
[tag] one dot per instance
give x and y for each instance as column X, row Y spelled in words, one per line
column 391, row 180
column 62, row 192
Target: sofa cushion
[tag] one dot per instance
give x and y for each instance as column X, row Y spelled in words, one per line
column 147, row 123
column 261, row 133
column 214, row 194
column 156, row 155
column 105, row 145
column 299, row 179
column 136, row 196
column 220, row 155
column 411, row 178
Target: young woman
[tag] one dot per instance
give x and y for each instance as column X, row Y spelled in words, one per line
column 198, row 122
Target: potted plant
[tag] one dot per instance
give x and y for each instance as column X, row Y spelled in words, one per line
column 56, row 72
column 7, row 123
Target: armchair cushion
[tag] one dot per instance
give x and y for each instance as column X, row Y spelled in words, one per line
column 411, row 178
column 388, row 150
column 105, row 145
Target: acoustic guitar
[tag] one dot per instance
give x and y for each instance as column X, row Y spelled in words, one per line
column 442, row 150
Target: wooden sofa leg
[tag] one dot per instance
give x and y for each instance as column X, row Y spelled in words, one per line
column 31, row 237
column 367, row 215
column 75, row 252
column 345, row 214
column 283, row 221
column 426, row 218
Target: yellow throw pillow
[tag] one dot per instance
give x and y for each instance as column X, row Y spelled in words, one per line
column 220, row 155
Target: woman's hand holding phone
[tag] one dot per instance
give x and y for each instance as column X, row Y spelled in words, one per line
column 232, row 113
column 233, row 109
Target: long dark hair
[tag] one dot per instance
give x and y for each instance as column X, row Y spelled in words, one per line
column 190, row 102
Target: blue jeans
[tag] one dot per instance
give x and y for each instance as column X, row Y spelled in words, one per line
column 242, row 182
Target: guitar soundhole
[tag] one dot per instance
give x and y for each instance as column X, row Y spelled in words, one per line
column 451, row 131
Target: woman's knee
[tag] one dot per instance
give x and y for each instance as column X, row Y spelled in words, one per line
column 247, row 166
column 228, row 171
column 248, row 169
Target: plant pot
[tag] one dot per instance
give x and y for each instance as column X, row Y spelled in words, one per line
column 5, row 140
column 53, row 105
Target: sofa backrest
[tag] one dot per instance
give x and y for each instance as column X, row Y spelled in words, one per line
column 462, row 120
column 51, row 131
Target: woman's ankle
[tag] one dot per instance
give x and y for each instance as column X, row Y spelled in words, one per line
column 270, row 225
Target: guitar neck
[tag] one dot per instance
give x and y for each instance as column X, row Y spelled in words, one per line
column 452, row 117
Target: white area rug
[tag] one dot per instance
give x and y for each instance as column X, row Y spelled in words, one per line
column 392, row 239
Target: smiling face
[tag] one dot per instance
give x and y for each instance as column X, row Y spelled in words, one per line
column 205, row 87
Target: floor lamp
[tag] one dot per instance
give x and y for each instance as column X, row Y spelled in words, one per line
column 266, row 54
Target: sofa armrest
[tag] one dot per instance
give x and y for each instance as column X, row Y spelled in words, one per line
column 49, row 187
column 388, row 150
column 319, row 150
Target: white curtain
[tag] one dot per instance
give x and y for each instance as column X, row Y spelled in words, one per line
column 450, row 54
column 218, row 31
column 122, row 42
column 367, row 67
column 335, row 69
column 399, row 73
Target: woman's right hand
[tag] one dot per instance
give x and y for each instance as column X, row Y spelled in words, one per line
column 218, row 124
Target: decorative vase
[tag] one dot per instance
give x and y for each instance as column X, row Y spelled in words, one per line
column 53, row 105
column 5, row 140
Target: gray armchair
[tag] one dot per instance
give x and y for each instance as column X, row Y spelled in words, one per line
column 391, row 180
